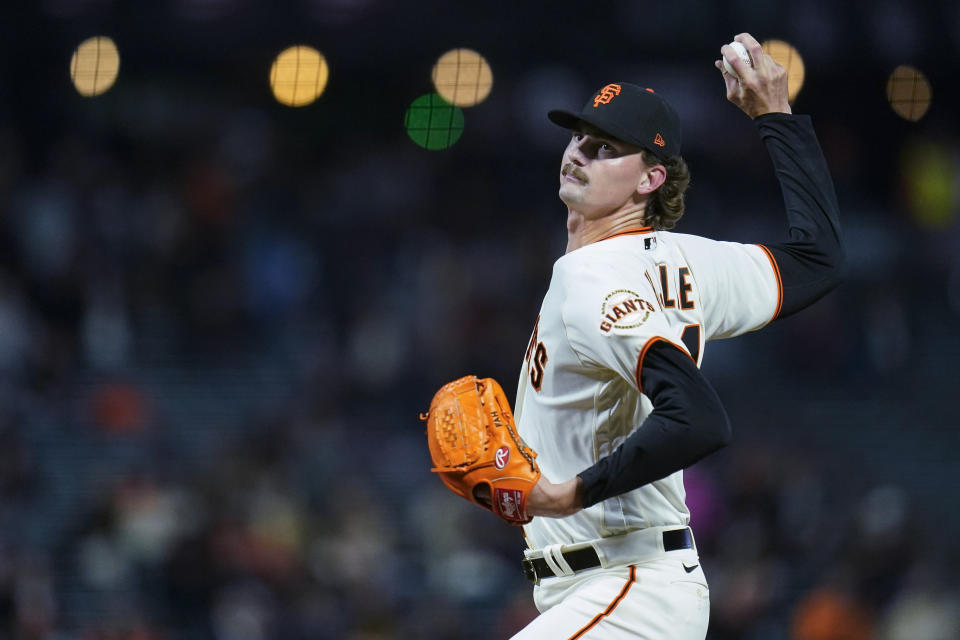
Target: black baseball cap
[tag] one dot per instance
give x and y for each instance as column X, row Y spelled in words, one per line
column 629, row 113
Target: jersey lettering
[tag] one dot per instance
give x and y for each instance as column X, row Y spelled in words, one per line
column 685, row 288
column 691, row 340
column 533, row 340
column 668, row 302
column 536, row 369
column 654, row 289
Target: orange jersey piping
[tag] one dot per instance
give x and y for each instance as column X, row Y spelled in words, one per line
column 613, row 605
column 643, row 353
column 776, row 273
column 628, row 232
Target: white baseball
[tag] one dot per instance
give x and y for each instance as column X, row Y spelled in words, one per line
column 740, row 51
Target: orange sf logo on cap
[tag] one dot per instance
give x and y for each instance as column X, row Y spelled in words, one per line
column 606, row 94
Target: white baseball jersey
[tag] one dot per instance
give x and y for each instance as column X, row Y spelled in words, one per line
column 579, row 394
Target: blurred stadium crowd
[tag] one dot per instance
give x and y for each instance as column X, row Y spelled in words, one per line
column 219, row 319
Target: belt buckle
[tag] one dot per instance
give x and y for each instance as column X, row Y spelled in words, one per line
column 530, row 571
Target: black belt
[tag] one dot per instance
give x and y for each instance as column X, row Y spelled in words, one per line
column 537, row 568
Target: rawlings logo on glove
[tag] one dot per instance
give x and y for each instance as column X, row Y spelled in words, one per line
column 476, row 450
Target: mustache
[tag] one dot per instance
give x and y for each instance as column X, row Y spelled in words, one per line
column 575, row 170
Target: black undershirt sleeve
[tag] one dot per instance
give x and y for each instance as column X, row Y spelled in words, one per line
column 810, row 262
column 688, row 422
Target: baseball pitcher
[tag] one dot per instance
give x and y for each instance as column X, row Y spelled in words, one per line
column 611, row 405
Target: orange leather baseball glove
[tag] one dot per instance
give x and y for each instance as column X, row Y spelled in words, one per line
column 474, row 443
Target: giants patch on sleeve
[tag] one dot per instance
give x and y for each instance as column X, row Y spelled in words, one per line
column 623, row 309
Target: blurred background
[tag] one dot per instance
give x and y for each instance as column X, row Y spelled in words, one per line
column 243, row 242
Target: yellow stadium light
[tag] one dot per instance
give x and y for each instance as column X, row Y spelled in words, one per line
column 909, row 92
column 299, row 76
column 929, row 174
column 784, row 54
column 462, row 77
column 94, row 66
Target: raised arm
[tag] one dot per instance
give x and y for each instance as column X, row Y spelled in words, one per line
column 810, row 262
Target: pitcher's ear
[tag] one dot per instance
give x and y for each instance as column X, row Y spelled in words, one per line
column 651, row 180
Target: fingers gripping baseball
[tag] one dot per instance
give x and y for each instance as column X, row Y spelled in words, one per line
column 761, row 87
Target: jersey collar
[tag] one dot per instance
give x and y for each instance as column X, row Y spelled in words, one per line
column 629, row 232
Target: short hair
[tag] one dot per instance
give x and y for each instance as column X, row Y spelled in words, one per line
column 665, row 206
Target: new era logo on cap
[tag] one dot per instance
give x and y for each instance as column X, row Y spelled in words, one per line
column 630, row 113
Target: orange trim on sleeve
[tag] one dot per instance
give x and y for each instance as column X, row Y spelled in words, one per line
column 643, row 353
column 613, row 605
column 776, row 273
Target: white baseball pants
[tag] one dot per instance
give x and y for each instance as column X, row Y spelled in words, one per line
column 661, row 599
